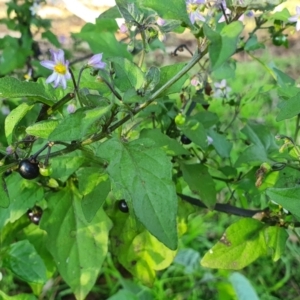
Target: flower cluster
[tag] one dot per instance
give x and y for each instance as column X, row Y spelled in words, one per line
column 193, row 7
column 60, row 67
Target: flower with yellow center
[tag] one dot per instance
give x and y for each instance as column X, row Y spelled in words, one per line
column 192, row 7
column 60, row 68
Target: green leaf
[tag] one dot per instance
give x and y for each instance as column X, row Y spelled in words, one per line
column 3, row 296
column 161, row 140
column 253, row 44
column 200, row 182
column 168, row 9
column 288, row 198
column 13, row 88
column 107, row 44
column 78, row 247
column 94, row 188
column 136, row 249
column 280, row 15
column 289, row 109
column 152, row 78
column 220, row 143
column 75, row 126
column 242, row 286
column 283, row 79
column 23, row 195
column 129, row 11
column 143, row 173
column 66, row 165
column 4, row 197
column 128, row 74
column 223, row 45
column 195, row 131
column 276, row 238
column 52, row 38
column 15, row 116
column 242, row 243
column 168, row 72
column 23, row 260
column 42, row 129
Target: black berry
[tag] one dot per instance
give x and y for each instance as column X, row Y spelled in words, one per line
column 185, row 140
column 29, row 168
column 123, row 206
column 35, row 214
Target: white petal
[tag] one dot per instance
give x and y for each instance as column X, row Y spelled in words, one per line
column 51, row 78
column 49, row 64
column 298, row 26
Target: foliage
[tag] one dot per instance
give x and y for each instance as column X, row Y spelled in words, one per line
column 121, row 165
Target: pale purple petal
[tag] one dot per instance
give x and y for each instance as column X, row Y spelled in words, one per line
column 60, row 56
column 95, row 61
column 63, row 82
column 160, row 21
column 298, row 10
column 49, row 64
column 293, row 19
column 57, row 81
column 52, row 77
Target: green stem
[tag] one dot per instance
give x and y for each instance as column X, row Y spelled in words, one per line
column 60, row 103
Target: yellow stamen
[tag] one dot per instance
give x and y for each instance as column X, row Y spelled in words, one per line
column 60, row 69
column 192, row 7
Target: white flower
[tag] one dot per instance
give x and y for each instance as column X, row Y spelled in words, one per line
column 221, row 89
column 60, row 68
column 35, row 8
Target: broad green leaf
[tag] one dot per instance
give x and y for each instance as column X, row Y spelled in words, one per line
column 11, row 87
column 220, row 143
column 75, row 126
column 289, row 109
column 78, row 247
column 171, row 146
column 65, row 165
column 152, row 78
column 200, row 182
column 23, row 260
column 94, row 188
column 136, row 249
column 253, row 44
column 42, row 129
column 128, row 74
column 252, row 155
column 52, row 38
column 195, row 131
column 4, row 196
column 37, row 237
column 241, row 244
column 242, row 286
column 206, row 118
column 288, row 198
column 276, row 238
column 12, row 120
column 3, row 296
column 143, row 173
column 168, row 9
column 222, row 45
column 23, row 195
column 129, row 11
column 168, row 72
column 107, row 43
column 282, row 15
column 283, row 79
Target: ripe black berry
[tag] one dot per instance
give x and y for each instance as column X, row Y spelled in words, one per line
column 123, row 206
column 35, row 215
column 185, row 140
column 29, row 168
